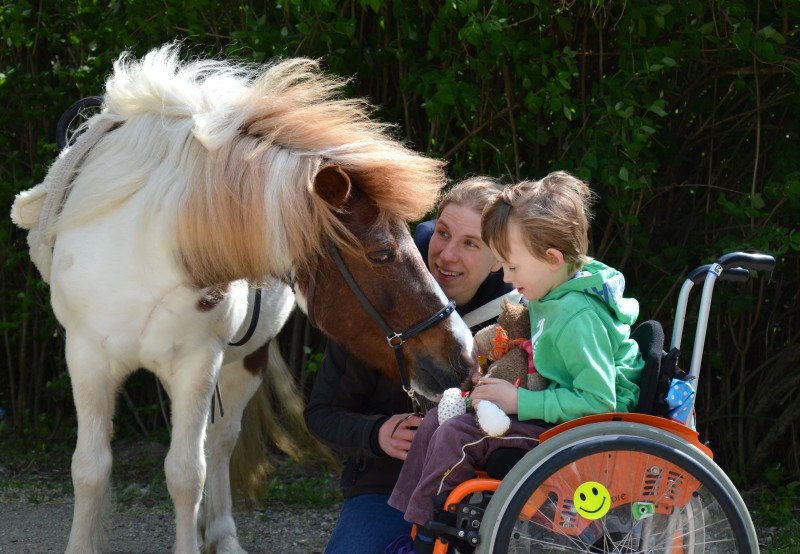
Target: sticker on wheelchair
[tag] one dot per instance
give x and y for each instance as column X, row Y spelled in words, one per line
column 642, row 510
column 591, row 500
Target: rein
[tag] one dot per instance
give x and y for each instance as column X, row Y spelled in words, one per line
column 394, row 339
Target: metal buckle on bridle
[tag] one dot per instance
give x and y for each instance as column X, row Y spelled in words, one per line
column 415, row 404
column 396, row 345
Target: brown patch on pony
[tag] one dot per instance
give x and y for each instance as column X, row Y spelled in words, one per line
column 256, row 362
column 212, row 297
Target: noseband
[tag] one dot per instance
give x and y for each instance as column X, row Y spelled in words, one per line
column 394, row 339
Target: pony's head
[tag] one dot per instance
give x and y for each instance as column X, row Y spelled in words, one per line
column 259, row 169
column 387, row 271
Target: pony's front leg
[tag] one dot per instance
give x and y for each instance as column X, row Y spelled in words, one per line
column 190, row 386
column 237, row 385
column 94, row 386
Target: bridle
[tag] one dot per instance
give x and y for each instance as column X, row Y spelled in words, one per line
column 393, row 338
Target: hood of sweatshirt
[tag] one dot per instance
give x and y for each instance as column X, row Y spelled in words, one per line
column 606, row 284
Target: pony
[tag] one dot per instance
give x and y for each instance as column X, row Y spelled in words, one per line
column 199, row 180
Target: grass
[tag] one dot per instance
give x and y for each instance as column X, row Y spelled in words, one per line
column 34, row 475
column 34, row 490
column 775, row 509
column 311, row 485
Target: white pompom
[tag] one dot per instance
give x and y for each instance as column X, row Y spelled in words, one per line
column 492, row 419
column 451, row 405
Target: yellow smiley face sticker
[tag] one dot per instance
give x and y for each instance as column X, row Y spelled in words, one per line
column 592, row 500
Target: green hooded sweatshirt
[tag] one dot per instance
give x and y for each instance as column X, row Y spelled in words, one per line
column 581, row 343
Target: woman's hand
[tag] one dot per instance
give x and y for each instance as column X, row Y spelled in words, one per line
column 396, row 434
column 501, row 392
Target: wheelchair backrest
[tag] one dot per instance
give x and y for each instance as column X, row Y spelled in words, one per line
column 660, row 368
column 649, row 335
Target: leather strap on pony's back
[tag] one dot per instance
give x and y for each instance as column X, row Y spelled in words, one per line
column 253, row 321
column 396, row 340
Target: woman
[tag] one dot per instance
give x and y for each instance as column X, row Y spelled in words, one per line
column 365, row 415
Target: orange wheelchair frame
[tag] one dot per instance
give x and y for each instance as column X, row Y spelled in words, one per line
column 670, row 488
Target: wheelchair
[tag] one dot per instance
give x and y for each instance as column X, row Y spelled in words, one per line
column 616, row 482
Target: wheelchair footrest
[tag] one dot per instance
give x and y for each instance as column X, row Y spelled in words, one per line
column 460, row 524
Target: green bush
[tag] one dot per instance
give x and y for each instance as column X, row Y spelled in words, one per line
column 683, row 116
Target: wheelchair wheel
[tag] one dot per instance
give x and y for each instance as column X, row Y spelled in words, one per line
column 617, row 487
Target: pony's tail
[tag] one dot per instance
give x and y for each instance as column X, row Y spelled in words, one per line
column 274, row 416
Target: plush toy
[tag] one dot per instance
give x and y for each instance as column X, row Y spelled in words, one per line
column 504, row 352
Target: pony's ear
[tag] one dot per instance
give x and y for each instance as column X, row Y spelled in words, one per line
column 332, row 184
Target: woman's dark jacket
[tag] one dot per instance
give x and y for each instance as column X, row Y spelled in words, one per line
column 350, row 401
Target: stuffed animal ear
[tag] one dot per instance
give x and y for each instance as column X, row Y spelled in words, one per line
column 505, row 313
column 515, row 320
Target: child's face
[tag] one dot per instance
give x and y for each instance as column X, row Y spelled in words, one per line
column 531, row 276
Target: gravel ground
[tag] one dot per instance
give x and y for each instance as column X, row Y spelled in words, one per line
column 36, row 509
column 34, row 528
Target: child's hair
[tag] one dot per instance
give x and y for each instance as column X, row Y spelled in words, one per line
column 553, row 212
column 472, row 193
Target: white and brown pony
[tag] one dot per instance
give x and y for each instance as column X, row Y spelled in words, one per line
column 197, row 179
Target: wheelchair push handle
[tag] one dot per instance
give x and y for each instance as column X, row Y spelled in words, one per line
column 732, row 267
column 745, row 260
column 736, row 267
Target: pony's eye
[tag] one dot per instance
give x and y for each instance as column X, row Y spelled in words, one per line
column 381, row 256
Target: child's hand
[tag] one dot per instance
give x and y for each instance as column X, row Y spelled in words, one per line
column 502, row 393
column 396, row 434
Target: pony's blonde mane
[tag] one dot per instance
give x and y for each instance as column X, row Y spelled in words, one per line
column 232, row 150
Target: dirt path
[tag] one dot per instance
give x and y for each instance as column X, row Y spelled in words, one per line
column 34, row 528
column 36, row 508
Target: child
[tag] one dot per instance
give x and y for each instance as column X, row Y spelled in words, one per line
column 581, row 341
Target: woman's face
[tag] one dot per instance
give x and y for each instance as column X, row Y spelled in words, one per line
column 457, row 257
